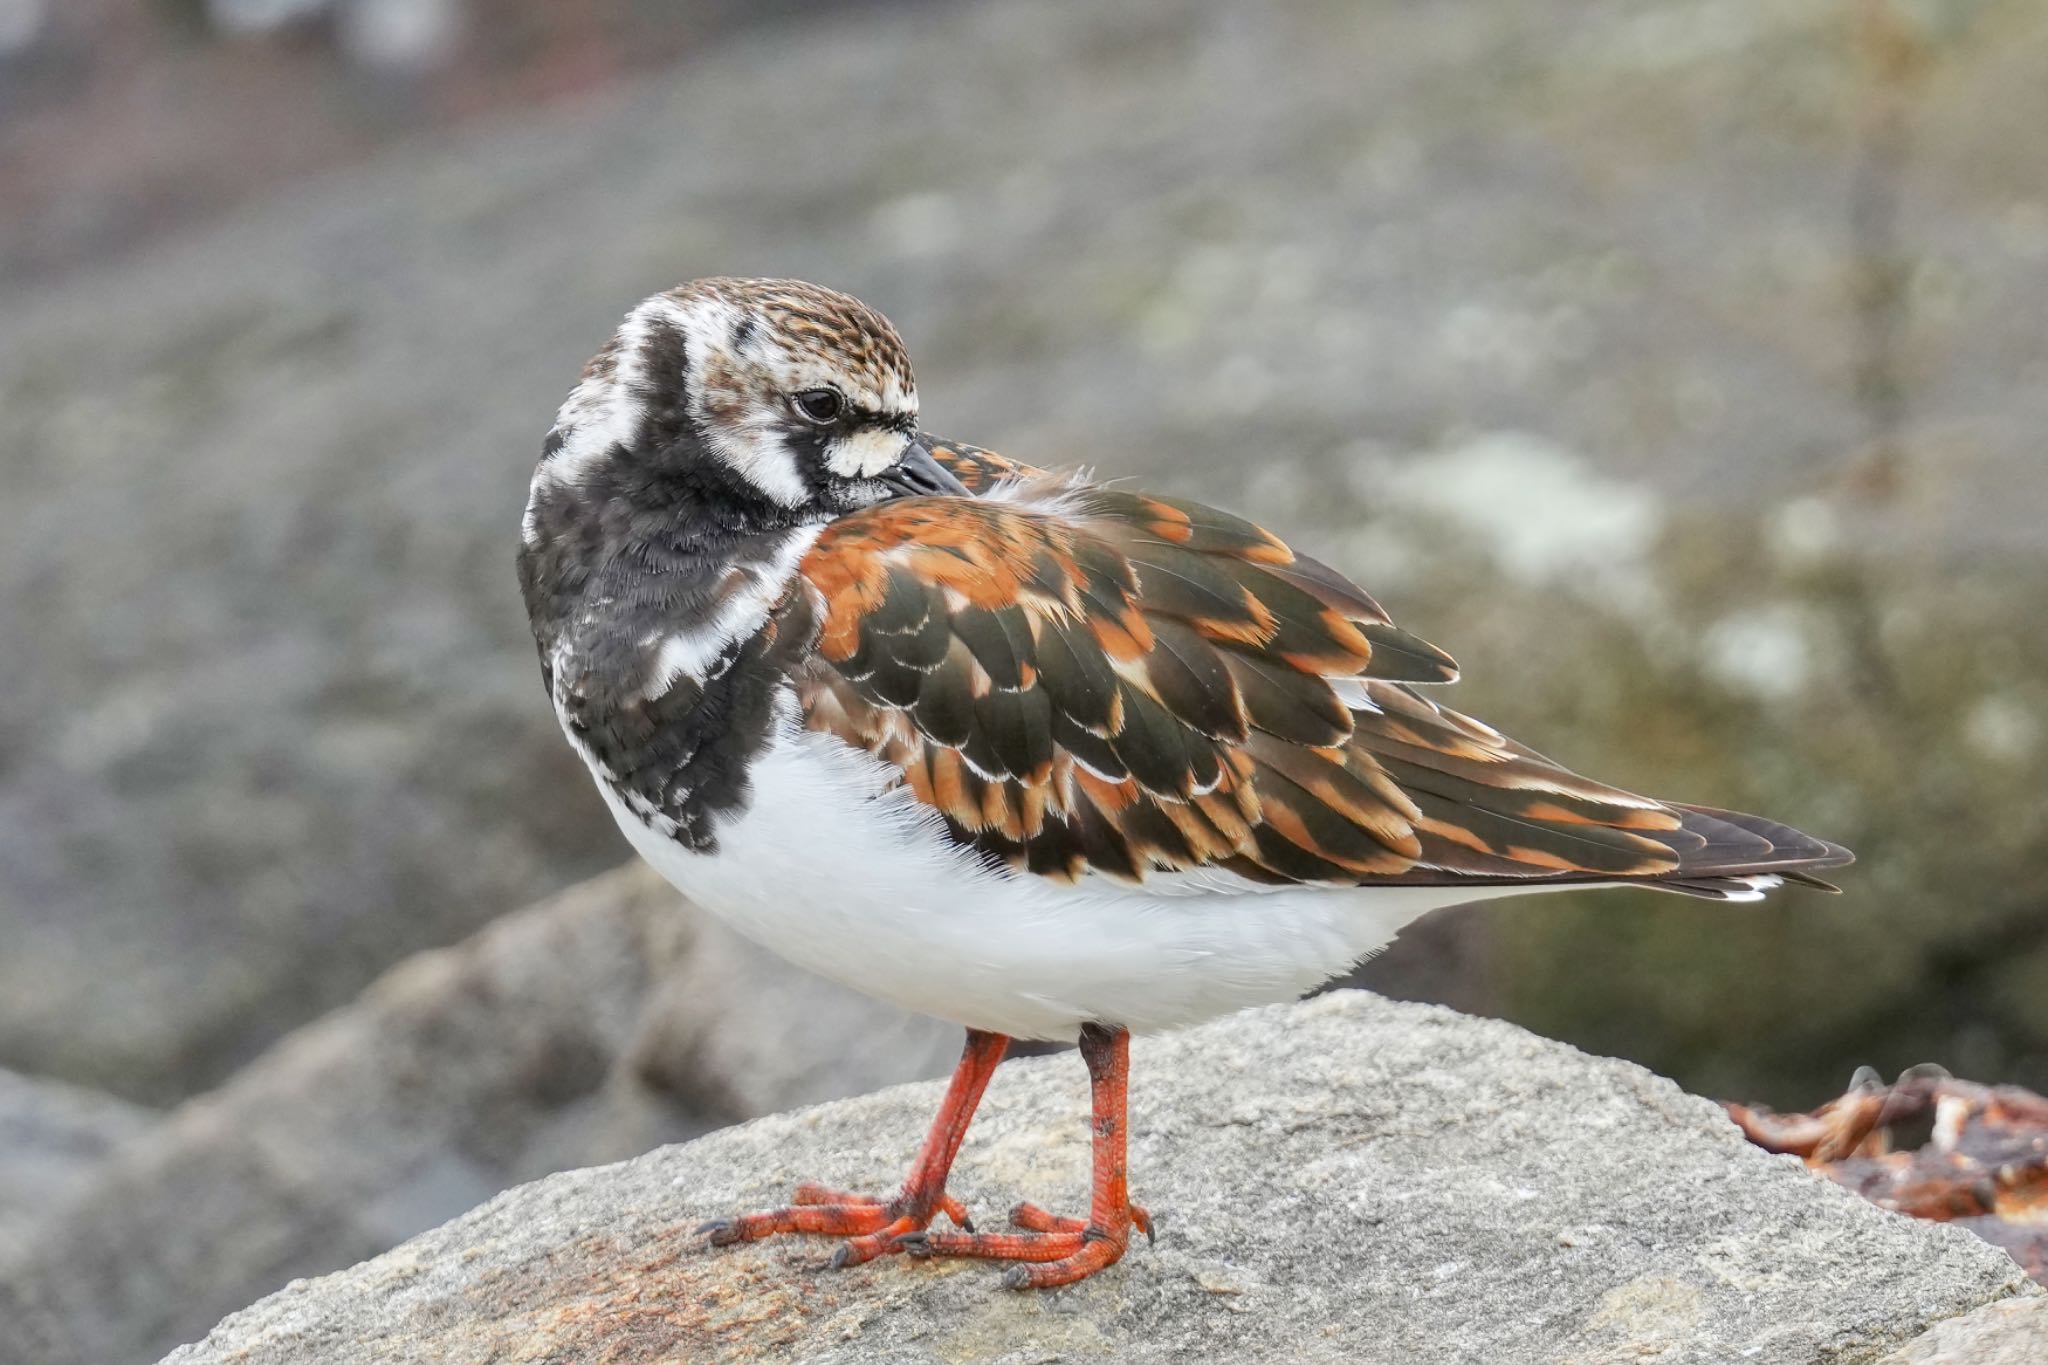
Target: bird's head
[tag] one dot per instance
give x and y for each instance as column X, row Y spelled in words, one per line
column 756, row 402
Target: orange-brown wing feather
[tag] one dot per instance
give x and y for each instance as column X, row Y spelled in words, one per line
column 1082, row 679
column 980, row 470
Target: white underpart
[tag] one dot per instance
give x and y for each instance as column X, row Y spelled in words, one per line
column 749, row 594
column 842, row 874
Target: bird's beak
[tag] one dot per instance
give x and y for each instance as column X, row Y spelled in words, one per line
column 918, row 474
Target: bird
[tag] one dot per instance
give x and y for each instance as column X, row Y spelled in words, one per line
column 1045, row 757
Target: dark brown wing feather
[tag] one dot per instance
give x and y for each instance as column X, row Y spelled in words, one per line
column 1085, row 680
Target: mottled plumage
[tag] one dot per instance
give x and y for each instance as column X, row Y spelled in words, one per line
column 1041, row 756
column 1084, row 681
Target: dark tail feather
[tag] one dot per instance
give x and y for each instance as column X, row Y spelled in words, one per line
column 1738, row 848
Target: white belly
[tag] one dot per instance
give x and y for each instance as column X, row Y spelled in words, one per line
column 861, row 884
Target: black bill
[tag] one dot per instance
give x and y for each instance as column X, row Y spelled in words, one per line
column 919, row 475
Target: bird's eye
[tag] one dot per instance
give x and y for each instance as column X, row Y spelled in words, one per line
column 821, row 406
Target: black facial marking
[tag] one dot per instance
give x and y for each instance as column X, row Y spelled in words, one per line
column 661, row 387
column 809, row 445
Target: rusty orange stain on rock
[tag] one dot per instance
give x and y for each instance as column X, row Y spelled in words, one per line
column 610, row 1299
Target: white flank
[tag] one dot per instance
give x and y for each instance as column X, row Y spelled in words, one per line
column 855, row 881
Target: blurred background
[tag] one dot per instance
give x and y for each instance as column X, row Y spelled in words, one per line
column 1680, row 365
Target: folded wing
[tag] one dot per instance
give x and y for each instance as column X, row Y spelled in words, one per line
column 1088, row 681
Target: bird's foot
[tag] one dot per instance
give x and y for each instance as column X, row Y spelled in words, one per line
column 873, row 1225
column 1053, row 1250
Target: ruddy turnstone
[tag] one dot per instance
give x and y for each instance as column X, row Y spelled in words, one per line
column 1048, row 759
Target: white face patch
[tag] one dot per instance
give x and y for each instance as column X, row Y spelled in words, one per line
column 757, row 453
column 865, row 453
column 742, row 424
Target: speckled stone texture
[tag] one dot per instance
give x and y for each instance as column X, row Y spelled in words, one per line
column 2013, row 1332
column 1347, row 1179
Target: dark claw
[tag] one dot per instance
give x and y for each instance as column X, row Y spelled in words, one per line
column 1152, row 1231
column 839, row 1255
column 1016, row 1277
column 720, row 1230
column 914, row 1244
column 966, row 1225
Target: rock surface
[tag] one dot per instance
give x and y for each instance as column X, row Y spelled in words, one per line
column 1344, row 1180
column 53, row 1138
column 1375, row 272
column 2014, row 1332
column 585, row 1029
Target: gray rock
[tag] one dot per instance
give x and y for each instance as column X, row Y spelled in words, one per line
column 53, row 1137
column 1344, row 1180
column 279, row 726
column 737, row 1032
column 563, row 1036
column 2014, row 1332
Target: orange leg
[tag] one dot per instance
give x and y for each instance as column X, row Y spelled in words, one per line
column 1055, row 1250
column 873, row 1225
